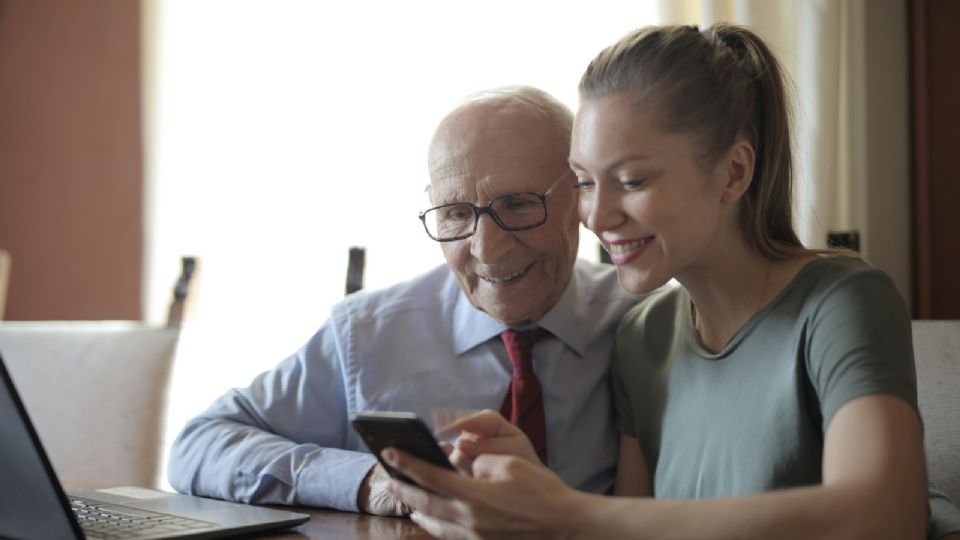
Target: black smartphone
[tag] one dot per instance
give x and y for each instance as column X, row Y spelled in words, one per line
column 402, row 430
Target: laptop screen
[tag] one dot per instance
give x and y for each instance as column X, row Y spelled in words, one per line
column 32, row 504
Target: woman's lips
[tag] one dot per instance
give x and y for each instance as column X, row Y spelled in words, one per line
column 625, row 251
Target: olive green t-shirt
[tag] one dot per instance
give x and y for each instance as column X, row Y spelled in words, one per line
column 752, row 417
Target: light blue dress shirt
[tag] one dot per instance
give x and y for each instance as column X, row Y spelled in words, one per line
column 418, row 346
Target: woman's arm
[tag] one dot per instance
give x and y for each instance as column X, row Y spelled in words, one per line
column 874, row 486
column 633, row 478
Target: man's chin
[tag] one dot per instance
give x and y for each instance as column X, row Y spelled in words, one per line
column 512, row 307
column 511, row 317
column 517, row 323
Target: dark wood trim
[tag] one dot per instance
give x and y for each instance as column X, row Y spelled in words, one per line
column 935, row 183
column 920, row 161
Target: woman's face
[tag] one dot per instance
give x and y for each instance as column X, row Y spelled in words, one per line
column 644, row 194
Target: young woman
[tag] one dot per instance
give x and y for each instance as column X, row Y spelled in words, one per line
column 773, row 394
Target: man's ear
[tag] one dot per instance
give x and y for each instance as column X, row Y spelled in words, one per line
column 738, row 170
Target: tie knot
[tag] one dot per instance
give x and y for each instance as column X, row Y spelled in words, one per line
column 520, row 347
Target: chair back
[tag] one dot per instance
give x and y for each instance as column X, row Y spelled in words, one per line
column 355, row 263
column 96, row 393
column 936, row 346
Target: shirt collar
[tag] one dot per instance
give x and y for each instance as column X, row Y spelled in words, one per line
column 471, row 327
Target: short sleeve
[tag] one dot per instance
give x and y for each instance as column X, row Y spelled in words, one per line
column 641, row 364
column 858, row 343
column 623, row 410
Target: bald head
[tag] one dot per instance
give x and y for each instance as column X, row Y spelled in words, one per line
column 495, row 145
column 489, row 120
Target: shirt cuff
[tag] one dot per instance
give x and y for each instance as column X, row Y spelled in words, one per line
column 332, row 479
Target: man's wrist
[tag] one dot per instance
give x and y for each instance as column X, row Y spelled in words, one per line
column 363, row 492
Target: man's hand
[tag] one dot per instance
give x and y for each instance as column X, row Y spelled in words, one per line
column 486, row 432
column 373, row 497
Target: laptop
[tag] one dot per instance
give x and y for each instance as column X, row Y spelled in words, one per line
column 34, row 505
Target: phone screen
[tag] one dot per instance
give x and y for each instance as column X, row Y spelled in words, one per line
column 404, row 431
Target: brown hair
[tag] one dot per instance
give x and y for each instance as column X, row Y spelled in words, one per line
column 717, row 85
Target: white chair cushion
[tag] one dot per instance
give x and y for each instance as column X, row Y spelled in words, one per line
column 95, row 392
column 936, row 346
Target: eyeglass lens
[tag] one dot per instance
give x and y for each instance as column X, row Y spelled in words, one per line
column 514, row 211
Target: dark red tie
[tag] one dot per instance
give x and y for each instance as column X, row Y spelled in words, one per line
column 523, row 404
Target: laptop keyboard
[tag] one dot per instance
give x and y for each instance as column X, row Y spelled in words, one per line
column 107, row 521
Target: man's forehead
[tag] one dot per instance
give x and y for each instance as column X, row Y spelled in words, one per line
column 488, row 171
column 470, row 188
column 483, row 152
column 449, row 187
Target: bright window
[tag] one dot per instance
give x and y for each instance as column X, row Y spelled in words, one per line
column 282, row 132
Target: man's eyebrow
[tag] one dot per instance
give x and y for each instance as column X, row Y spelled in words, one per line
column 447, row 196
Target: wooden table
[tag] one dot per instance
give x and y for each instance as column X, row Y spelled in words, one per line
column 331, row 524
column 350, row 526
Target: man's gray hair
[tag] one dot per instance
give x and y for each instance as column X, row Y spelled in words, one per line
column 528, row 98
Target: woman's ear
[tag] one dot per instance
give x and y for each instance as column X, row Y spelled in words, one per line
column 738, row 170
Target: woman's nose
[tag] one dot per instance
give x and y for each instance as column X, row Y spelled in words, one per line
column 598, row 212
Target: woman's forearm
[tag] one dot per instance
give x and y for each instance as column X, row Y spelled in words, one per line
column 823, row 512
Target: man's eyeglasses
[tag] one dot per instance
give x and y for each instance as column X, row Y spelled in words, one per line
column 511, row 212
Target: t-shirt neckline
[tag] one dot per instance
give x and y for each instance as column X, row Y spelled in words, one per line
column 693, row 337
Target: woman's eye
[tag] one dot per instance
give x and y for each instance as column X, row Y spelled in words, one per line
column 633, row 184
column 583, row 185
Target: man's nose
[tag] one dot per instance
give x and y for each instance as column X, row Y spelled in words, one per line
column 489, row 242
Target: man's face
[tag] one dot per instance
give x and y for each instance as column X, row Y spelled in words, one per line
column 477, row 156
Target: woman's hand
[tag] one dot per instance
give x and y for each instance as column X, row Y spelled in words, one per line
column 486, row 432
column 507, row 497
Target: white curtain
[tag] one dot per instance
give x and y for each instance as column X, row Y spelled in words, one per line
column 848, row 63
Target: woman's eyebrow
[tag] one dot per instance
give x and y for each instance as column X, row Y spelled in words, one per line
column 625, row 159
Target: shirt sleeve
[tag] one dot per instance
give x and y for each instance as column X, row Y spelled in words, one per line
column 641, row 367
column 621, row 378
column 279, row 440
column 859, row 343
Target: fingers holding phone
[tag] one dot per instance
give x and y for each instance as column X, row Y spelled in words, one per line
column 401, row 430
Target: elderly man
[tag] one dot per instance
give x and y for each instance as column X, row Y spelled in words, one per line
column 505, row 216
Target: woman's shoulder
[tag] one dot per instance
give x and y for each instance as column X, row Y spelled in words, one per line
column 839, row 264
column 660, row 305
column 830, row 286
column 653, row 324
column 836, row 276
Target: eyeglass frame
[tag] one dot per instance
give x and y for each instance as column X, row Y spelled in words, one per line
column 486, row 209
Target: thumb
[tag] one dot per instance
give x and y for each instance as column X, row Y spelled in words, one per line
column 446, row 447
